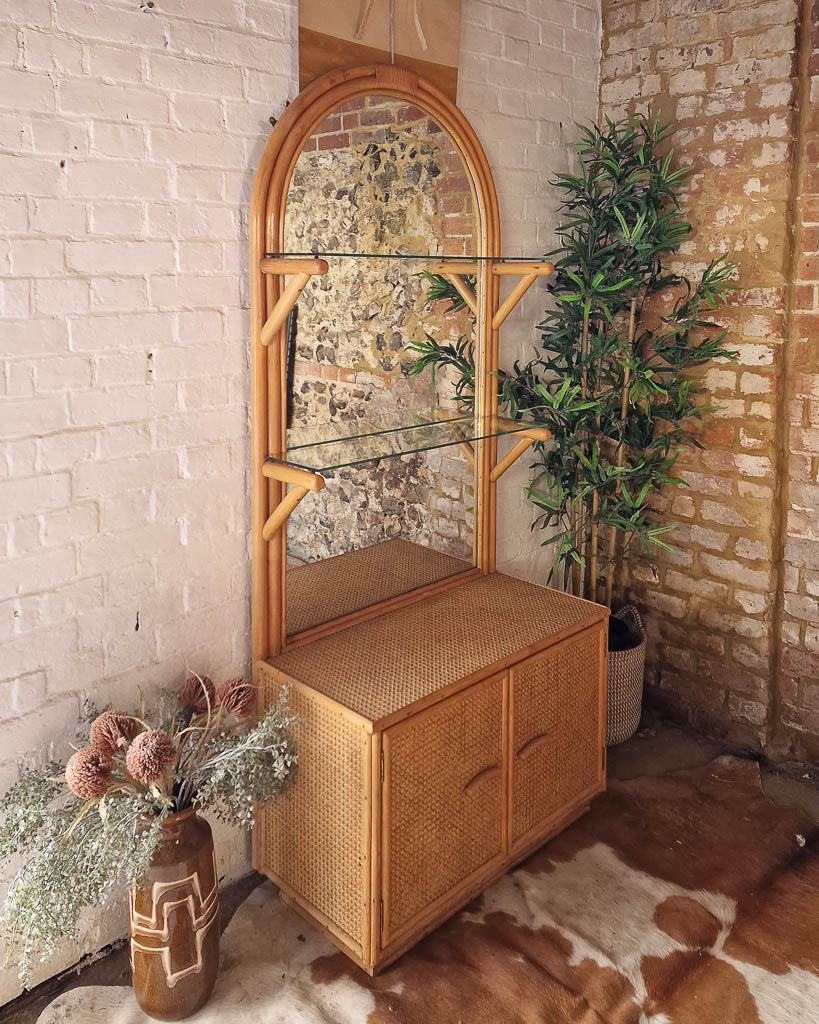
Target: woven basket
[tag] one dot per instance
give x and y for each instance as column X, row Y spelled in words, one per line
column 625, row 682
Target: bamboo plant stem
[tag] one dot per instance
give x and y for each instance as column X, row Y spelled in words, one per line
column 580, row 571
column 593, row 560
column 621, row 446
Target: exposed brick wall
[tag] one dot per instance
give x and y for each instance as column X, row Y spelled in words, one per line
column 798, row 653
column 129, row 134
column 727, row 73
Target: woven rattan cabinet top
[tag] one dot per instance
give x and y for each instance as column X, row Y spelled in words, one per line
column 382, row 666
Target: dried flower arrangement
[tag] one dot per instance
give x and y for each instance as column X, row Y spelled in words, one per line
column 95, row 822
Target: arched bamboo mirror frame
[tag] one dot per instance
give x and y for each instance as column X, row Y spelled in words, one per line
column 267, row 209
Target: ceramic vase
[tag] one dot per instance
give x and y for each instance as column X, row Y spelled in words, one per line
column 174, row 921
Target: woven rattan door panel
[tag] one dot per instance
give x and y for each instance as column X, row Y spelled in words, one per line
column 314, row 840
column 556, row 717
column 443, row 801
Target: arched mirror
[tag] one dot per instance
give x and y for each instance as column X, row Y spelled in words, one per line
column 374, row 236
column 380, row 190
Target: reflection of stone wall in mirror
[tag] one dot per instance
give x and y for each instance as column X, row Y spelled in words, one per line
column 378, row 176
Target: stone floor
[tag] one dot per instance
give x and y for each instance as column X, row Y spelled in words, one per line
column 656, row 750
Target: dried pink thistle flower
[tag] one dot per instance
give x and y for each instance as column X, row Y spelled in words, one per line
column 236, row 696
column 112, row 730
column 192, row 693
column 88, row 772
column 151, row 753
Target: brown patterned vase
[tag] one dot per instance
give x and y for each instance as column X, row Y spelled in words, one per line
column 174, row 921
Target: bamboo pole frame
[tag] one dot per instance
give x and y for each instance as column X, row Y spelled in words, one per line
column 278, row 517
column 301, row 271
column 514, row 297
column 621, row 447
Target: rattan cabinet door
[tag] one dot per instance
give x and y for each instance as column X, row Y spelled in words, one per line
column 443, row 802
column 556, row 701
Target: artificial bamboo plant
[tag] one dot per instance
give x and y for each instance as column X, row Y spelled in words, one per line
column 611, row 378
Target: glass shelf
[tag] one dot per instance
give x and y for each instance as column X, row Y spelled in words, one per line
column 437, row 257
column 328, row 447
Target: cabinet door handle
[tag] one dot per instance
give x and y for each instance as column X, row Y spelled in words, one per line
column 533, row 744
column 484, row 773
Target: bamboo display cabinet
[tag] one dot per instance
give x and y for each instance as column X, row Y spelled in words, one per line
column 450, row 718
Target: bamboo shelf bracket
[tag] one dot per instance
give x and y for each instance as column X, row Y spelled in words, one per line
column 529, row 273
column 455, row 271
column 527, row 439
column 301, row 270
column 302, row 483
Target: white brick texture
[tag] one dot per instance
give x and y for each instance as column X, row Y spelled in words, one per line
column 528, row 71
column 129, row 135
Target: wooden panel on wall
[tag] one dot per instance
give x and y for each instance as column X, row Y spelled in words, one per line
column 426, row 38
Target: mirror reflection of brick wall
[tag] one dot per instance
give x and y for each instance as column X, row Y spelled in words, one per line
column 378, row 176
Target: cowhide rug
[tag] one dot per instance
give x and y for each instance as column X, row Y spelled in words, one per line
column 682, row 899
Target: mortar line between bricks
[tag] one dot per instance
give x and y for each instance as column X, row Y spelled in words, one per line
column 775, row 734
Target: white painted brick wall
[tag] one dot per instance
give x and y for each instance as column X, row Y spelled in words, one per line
column 128, row 141
column 528, row 71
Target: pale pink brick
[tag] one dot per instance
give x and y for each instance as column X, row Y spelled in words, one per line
column 126, row 258
column 20, row 338
column 13, row 215
column 23, row 91
column 60, row 137
column 112, row 24
column 197, row 148
column 33, row 258
column 33, row 417
column 123, row 294
column 188, row 290
column 36, row 494
column 119, row 140
column 117, row 219
column 107, row 179
column 120, row 440
column 115, row 63
column 40, row 572
column 104, row 100
column 98, row 333
column 63, row 451
column 54, row 217
column 172, row 73
column 123, row 368
column 47, row 51
column 117, row 405
column 68, row 373
column 104, row 479
column 22, row 695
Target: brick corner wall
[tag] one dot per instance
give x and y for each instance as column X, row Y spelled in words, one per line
column 732, row 614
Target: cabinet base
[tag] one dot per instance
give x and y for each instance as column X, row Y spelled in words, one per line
column 441, row 912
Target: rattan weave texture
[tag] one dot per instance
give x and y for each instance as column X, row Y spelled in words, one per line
column 555, row 703
column 439, row 827
column 321, row 591
column 380, row 666
column 625, row 682
column 314, row 835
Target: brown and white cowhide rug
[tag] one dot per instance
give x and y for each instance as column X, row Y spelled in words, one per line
column 682, row 899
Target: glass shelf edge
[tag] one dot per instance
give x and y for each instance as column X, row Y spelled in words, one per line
column 499, row 427
column 420, row 257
